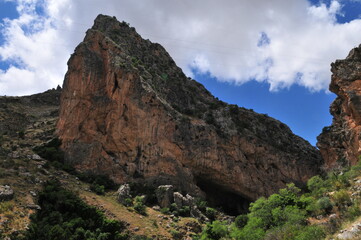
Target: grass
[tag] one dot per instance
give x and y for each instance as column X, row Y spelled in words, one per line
column 148, row 225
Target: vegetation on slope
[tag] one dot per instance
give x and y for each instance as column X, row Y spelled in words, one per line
column 63, row 215
column 292, row 215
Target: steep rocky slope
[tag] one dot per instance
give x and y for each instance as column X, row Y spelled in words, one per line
column 340, row 143
column 128, row 111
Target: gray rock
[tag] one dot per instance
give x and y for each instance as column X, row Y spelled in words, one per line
column 196, row 213
column 164, row 195
column 123, row 193
column 182, row 201
column 33, row 206
column 6, row 193
column 179, row 200
column 156, row 208
column 189, row 200
column 350, row 233
column 34, row 157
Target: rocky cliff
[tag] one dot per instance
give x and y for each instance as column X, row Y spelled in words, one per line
column 128, row 111
column 340, row 143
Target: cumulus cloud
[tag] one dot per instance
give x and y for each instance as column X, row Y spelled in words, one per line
column 281, row 42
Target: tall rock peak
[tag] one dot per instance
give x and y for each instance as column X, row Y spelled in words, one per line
column 340, row 143
column 128, row 111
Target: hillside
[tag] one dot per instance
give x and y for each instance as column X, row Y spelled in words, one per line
column 131, row 148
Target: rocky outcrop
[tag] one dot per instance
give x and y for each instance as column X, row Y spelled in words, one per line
column 164, row 194
column 123, row 194
column 128, row 111
column 340, row 143
column 6, row 193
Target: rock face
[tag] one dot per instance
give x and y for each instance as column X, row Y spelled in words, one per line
column 340, row 143
column 123, row 193
column 6, row 193
column 128, row 111
column 164, row 195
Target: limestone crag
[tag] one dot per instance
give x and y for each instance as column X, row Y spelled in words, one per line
column 340, row 143
column 128, row 111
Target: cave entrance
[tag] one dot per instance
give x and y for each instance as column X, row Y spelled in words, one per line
column 217, row 196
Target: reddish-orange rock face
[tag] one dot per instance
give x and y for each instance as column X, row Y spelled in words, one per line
column 128, row 111
column 340, row 143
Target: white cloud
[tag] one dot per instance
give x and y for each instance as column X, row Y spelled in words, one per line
column 299, row 41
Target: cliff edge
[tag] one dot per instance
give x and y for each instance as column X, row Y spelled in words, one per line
column 340, row 143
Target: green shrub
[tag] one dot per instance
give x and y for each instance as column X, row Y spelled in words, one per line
column 63, row 215
column 139, row 206
column 241, row 221
column 341, row 198
column 353, row 211
column 165, row 210
column 51, row 151
column 211, row 213
column 324, row 204
column 215, row 230
column 317, row 186
column 184, row 211
column 128, row 202
column 97, row 179
column 201, row 205
column 311, row 233
column 144, row 189
column 176, row 234
column 98, row 189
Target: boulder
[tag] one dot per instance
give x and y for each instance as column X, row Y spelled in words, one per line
column 6, row 193
column 164, row 195
column 182, row 201
column 123, row 193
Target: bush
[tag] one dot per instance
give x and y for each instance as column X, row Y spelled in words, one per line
column 144, row 189
column 342, row 198
column 165, row 210
column 324, row 204
column 51, row 151
column 184, row 211
column 353, row 211
column 241, row 221
column 128, row 202
column 63, row 215
column 139, row 206
column 201, row 205
column 215, row 230
column 98, row 189
column 311, row 233
column 176, row 234
column 97, row 179
column 211, row 213
column 317, row 186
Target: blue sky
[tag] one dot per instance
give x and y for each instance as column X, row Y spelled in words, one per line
column 270, row 56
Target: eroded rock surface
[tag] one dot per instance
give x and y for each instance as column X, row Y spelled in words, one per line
column 340, row 143
column 128, row 111
column 6, row 193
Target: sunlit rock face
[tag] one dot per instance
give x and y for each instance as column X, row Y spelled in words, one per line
column 129, row 112
column 340, row 143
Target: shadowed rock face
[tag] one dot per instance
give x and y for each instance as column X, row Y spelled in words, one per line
column 128, row 111
column 340, row 143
